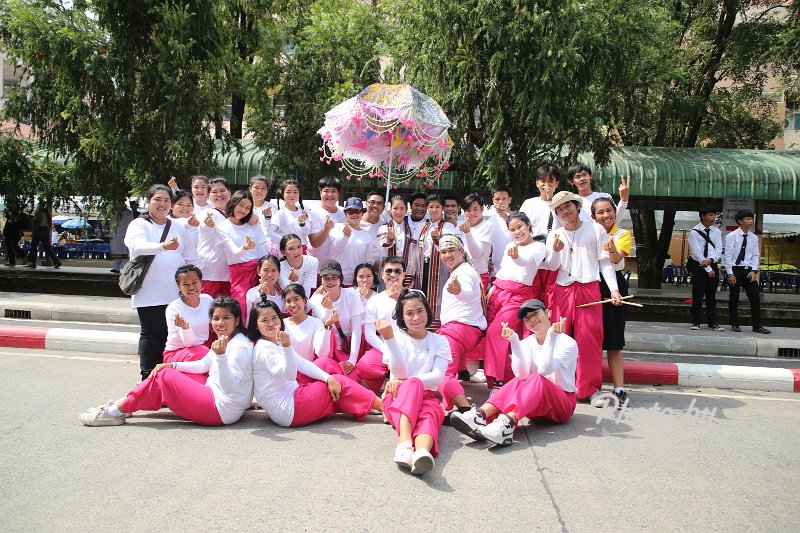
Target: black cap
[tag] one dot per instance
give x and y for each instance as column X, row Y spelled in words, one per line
column 331, row 267
column 528, row 306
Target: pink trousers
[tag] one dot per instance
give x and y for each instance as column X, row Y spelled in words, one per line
column 313, row 402
column 461, row 338
column 181, row 394
column 420, row 406
column 216, row 288
column 485, row 281
column 335, row 365
column 244, row 276
column 534, row 397
column 507, row 298
column 372, row 370
column 543, row 284
column 585, row 325
column 194, row 353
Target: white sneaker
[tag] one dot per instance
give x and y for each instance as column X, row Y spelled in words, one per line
column 500, row 431
column 598, row 399
column 98, row 416
column 478, row 377
column 422, row 462
column 468, row 422
column 403, row 455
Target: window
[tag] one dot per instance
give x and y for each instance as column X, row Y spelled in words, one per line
column 792, row 115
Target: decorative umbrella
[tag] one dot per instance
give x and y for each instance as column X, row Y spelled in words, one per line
column 392, row 133
column 74, row 223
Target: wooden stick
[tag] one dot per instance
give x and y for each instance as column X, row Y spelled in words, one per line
column 605, row 301
column 633, row 304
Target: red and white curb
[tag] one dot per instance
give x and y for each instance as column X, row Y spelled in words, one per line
column 716, row 376
column 74, row 340
column 637, row 372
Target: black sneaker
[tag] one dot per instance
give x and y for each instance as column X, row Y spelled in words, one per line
column 463, row 375
column 715, row 327
column 762, row 329
column 695, row 327
column 736, row 329
column 622, row 397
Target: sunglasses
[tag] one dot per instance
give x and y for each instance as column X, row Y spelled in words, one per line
column 397, row 271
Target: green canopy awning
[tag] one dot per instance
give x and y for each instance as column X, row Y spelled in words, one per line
column 238, row 167
column 702, row 173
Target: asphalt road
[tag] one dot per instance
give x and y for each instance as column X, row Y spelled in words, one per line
column 730, row 465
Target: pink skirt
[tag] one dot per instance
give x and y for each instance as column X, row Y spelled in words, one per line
column 420, row 406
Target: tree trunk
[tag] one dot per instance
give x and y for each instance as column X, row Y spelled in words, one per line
column 237, row 116
column 651, row 248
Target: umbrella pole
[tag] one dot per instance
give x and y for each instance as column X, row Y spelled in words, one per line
column 389, row 177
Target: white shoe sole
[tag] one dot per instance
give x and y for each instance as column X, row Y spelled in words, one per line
column 422, row 465
column 508, row 441
column 461, row 426
column 102, row 422
column 405, row 463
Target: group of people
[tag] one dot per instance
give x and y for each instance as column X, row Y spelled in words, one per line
column 306, row 312
column 740, row 263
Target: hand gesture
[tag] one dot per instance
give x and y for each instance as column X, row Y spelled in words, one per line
column 559, row 327
column 193, row 221
column 333, row 318
column 513, row 250
column 364, row 290
column 384, row 328
column 171, row 244
column 435, row 233
column 267, row 211
column 390, row 232
column 334, row 388
column 454, row 286
column 506, row 332
column 158, row 368
column 547, row 192
column 293, row 275
column 220, row 345
column 249, row 243
column 321, row 290
column 283, row 339
column 253, row 220
column 209, row 221
column 173, row 184
column 616, row 298
column 328, row 223
column 347, row 230
column 348, row 367
column 181, row 322
column 302, row 218
column 624, row 188
column 558, row 245
column 392, row 386
column 327, row 303
column 267, row 288
column 609, row 246
column 465, row 226
column 394, row 287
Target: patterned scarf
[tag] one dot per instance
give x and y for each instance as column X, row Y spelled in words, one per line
column 433, row 286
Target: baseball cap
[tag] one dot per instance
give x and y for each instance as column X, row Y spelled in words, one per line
column 331, row 267
column 528, row 306
column 564, row 197
column 353, row 203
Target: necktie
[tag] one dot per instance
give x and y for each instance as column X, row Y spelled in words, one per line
column 708, row 240
column 741, row 252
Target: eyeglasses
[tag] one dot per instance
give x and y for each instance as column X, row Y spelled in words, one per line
column 374, row 202
column 397, row 271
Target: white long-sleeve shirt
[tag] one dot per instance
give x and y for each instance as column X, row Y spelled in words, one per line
column 310, row 339
column 198, row 319
column 466, row 306
column 233, row 237
column 425, row 359
column 500, row 238
column 144, row 238
column 306, row 274
column 586, row 208
column 275, row 375
column 522, row 269
column 317, row 217
column 285, row 221
column 351, row 318
column 583, row 258
column 379, row 307
column 230, row 377
column 478, row 243
column 540, row 215
column 359, row 247
column 697, row 244
column 556, row 359
column 212, row 260
column 733, row 245
column 253, row 297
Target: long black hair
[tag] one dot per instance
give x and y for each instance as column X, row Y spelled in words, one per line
column 405, row 296
column 252, row 322
column 226, row 302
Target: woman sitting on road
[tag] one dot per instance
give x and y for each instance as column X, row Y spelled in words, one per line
column 188, row 319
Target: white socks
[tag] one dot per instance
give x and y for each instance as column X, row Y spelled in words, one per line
column 113, row 410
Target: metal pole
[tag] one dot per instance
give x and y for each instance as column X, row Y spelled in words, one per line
column 389, row 177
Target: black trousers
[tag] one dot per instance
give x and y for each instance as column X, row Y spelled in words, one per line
column 753, row 294
column 152, row 337
column 704, row 286
column 42, row 236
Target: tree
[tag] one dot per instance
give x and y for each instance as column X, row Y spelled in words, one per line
column 707, row 87
column 327, row 51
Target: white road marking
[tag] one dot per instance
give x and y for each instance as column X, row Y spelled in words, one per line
column 76, row 357
column 714, row 395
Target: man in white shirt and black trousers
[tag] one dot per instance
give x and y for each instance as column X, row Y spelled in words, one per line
column 741, row 262
column 705, row 249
